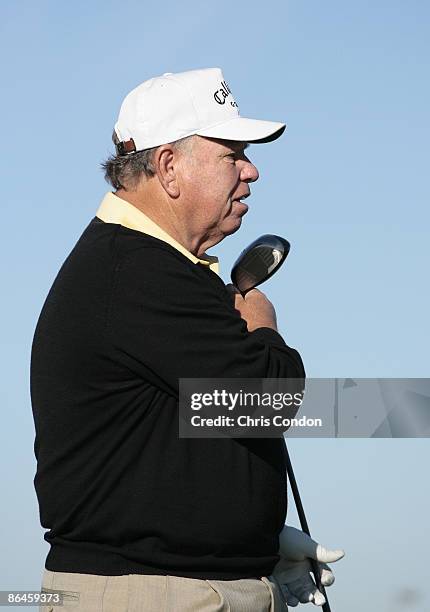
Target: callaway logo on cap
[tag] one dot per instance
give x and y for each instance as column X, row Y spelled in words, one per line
column 173, row 106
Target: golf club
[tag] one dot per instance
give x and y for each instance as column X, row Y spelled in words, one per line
column 259, row 261
column 255, row 265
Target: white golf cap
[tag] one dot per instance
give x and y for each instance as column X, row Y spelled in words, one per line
column 173, row 106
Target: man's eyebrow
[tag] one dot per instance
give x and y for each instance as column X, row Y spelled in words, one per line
column 235, row 146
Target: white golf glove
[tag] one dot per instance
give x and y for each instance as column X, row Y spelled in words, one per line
column 293, row 569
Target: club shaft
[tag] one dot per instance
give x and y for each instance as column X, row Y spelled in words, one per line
column 304, row 526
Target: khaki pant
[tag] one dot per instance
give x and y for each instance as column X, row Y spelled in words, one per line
column 146, row 593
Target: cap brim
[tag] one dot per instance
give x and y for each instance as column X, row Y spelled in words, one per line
column 245, row 130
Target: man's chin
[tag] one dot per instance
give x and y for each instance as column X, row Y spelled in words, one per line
column 234, row 220
column 233, row 225
column 230, row 226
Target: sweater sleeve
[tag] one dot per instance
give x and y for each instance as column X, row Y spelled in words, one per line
column 170, row 319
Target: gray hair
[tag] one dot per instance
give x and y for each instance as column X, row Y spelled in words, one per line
column 125, row 171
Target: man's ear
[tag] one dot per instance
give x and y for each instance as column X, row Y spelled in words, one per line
column 165, row 167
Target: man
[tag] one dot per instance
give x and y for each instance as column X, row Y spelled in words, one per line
column 139, row 519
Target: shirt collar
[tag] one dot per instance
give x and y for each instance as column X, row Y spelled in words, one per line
column 116, row 210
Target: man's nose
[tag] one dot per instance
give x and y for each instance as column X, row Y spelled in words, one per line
column 249, row 172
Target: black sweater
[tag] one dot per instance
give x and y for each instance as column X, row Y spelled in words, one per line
column 120, row 493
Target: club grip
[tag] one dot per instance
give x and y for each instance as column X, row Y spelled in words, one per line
column 321, row 589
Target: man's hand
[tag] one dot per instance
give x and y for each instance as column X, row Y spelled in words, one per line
column 293, row 570
column 254, row 308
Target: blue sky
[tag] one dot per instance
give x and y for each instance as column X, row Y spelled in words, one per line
column 347, row 185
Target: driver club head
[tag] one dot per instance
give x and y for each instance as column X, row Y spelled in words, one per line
column 259, row 261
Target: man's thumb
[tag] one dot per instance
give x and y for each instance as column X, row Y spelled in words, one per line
column 328, row 556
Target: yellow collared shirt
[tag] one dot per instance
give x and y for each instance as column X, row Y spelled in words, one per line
column 116, row 210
